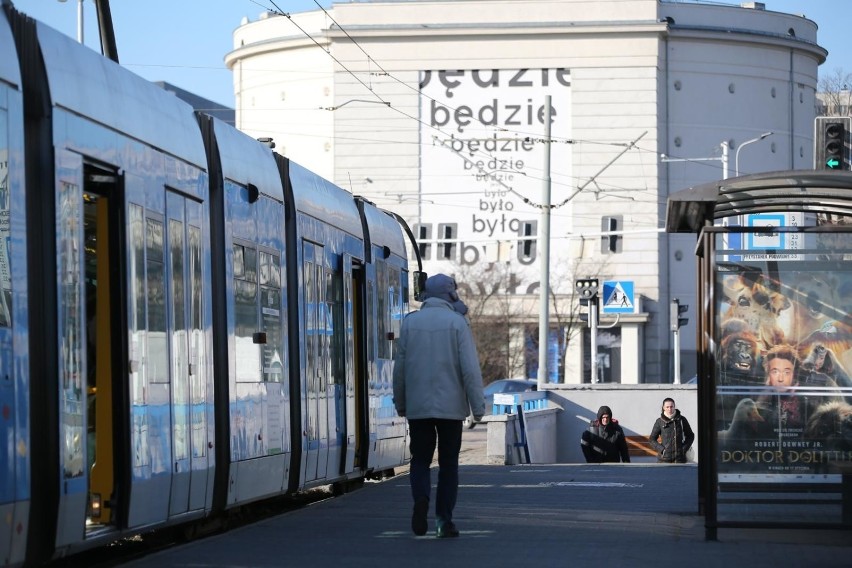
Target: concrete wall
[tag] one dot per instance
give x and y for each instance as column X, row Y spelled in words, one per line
column 553, row 433
column 634, row 406
column 504, row 436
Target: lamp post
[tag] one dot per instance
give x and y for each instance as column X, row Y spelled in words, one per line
column 79, row 20
column 723, row 158
column 740, row 147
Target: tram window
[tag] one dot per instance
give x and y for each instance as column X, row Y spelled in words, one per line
column 70, row 321
column 395, row 307
column 338, row 336
column 383, row 311
column 371, row 326
column 405, row 296
column 158, row 360
column 5, row 205
column 270, row 309
column 154, row 240
column 245, row 314
column 328, row 327
column 310, row 317
column 137, row 301
column 269, row 269
column 250, row 264
column 195, row 278
column 177, row 262
column 239, row 261
column 137, row 261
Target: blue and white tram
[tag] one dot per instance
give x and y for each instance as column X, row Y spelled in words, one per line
column 188, row 321
column 15, row 459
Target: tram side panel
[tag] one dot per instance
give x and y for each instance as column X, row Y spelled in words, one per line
column 123, row 313
column 253, row 271
column 322, row 347
column 129, row 347
column 327, row 232
column 389, row 258
column 14, row 357
column 167, row 321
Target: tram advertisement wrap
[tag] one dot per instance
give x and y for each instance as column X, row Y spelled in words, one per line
column 784, row 394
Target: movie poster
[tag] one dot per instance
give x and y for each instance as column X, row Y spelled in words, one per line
column 784, row 354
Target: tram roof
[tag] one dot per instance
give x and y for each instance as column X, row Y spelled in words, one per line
column 820, row 191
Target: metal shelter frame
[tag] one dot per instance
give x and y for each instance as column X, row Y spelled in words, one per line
column 703, row 210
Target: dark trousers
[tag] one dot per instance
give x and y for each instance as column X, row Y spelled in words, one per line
column 425, row 433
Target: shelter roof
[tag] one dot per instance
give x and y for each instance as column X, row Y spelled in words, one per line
column 820, row 191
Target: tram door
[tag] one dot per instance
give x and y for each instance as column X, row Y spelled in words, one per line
column 188, row 386
column 99, row 373
column 87, row 366
column 352, row 279
column 317, row 346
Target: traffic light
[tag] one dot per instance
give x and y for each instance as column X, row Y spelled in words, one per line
column 834, row 142
column 677, row 308
column 587, row 289
column 831, row 146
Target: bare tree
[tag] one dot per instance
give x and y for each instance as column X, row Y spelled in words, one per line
column 505, row 326
column 568, row 315
column 494, row 317
column 835, row 94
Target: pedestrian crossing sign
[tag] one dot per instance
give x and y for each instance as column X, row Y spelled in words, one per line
column 618, row 297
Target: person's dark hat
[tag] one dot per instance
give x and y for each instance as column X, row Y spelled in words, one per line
column 604, row 410
column 440, row 286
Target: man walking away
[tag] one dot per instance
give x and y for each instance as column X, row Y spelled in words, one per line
column 437, row 383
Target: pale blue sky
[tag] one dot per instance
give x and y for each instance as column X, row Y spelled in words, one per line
column 184, row 42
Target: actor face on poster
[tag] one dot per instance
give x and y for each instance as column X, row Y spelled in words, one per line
column 782, row 384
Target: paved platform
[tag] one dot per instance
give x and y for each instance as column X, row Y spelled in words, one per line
column 530, row 515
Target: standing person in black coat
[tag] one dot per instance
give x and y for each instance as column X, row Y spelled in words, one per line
column 604, row 441
column 671, row 435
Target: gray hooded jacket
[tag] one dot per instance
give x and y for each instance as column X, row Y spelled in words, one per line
column 436, row 368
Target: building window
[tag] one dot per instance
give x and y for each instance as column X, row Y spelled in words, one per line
column 611, row 243
column 608, row 356
column 527, row 245
column 447, row 232
column 424, row 235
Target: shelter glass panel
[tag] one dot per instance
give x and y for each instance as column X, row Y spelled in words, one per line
column 783, row 391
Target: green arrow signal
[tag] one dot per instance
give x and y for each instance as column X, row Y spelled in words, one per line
column 832, row 163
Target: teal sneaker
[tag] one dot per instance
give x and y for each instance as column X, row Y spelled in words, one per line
column 446, row 530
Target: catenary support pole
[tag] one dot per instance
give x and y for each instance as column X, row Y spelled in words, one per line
column 544, row 250
column 593, row 339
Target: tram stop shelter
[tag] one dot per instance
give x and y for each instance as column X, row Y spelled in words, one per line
column 774, row 347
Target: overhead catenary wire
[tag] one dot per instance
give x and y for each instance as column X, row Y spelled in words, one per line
column 418, row 120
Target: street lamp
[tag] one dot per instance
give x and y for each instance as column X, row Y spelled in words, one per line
column 723, row 158
column 343, row 104
column 746, row 143
column 79, row 20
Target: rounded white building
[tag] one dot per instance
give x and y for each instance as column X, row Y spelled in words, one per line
column 436, row 109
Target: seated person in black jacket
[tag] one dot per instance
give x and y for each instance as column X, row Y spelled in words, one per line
column 604, row 441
